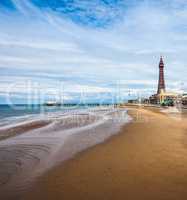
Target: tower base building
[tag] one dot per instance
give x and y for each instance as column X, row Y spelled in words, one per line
column 162, row 97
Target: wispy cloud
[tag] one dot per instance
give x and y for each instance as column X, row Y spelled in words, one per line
column 94, row 44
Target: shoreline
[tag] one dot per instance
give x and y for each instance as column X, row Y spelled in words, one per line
column 43, row 148
column 146, row 160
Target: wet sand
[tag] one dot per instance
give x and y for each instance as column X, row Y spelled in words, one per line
column 17, row 130
column 146, row 161
column 32, row 147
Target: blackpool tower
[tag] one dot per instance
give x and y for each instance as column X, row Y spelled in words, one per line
column 161, row 81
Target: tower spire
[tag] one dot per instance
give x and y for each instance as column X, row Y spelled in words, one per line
column 161, row 82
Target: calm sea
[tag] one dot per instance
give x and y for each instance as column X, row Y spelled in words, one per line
column 7, row 111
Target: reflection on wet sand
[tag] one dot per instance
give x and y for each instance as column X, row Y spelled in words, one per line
column 147, row 160
column 38, row 145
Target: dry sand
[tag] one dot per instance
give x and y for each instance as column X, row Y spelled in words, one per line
column 146, row 161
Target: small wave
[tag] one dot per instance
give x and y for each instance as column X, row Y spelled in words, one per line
column 13, row 130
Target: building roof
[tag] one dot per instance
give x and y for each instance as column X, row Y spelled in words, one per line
column 168, row 93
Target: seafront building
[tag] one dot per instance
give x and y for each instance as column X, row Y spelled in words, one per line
column 163, row 97
column 184, row 99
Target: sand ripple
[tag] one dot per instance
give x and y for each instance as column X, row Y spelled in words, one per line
column 29, row 148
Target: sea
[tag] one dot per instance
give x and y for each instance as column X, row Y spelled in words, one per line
column 35, row 138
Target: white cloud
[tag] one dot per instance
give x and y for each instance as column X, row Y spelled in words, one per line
column 128, row 49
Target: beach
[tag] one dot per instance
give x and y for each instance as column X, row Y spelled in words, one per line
column 146, row 160
column 31, row 145
column 93, row 100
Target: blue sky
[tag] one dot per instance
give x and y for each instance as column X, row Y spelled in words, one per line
column 92, row 49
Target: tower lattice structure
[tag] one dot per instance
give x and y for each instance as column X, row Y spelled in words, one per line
column 161, row 81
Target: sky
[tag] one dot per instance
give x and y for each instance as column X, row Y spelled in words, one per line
column 99, row 50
